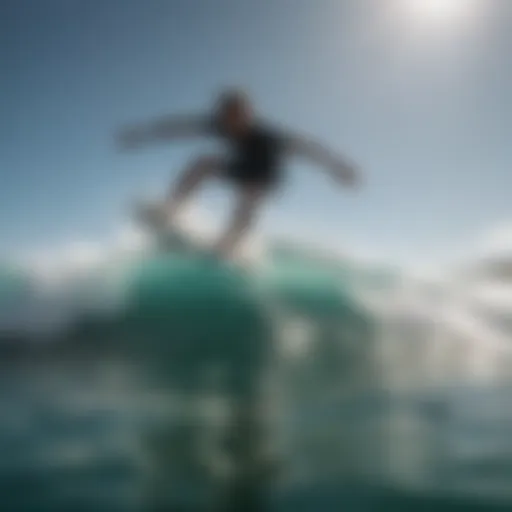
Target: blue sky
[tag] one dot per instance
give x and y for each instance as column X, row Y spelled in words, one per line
column 424, row 106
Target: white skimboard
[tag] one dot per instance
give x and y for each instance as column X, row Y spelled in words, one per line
column 177, row 238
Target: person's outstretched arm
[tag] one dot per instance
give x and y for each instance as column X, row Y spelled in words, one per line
column 162, row 130
column 339, row 167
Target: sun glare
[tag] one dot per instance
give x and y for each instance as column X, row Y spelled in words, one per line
column 438, row 9
column 435, row 12
column 431, row 20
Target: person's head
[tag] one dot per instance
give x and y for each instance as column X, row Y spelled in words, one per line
column 233, row 111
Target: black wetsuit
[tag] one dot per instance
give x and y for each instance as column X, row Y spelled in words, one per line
column 256, row 158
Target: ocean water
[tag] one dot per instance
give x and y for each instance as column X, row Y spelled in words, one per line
column 84, row 439
column 375, row 398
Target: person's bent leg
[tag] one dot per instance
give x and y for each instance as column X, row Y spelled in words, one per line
column 243, row 218
column 194, row 175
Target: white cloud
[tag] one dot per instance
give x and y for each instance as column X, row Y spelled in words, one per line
column 497, row 242
column 129, row 238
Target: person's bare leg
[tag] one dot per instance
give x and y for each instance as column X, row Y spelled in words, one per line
column 242, row 219
column 194, row 175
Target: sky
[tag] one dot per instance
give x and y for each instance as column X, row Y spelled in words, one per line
column 420, row 98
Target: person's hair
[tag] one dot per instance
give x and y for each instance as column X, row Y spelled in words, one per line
column 230, row 98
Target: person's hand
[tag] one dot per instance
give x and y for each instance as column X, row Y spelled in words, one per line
column 348, row 176
column 130, row 137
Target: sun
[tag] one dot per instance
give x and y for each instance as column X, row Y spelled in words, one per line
column 438, row 9
column 432, row 15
